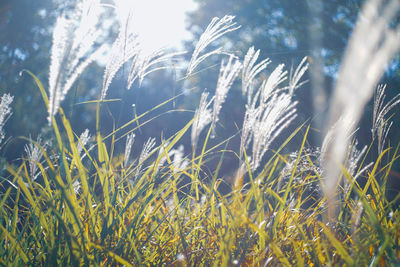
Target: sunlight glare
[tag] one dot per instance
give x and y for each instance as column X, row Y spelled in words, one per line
column 160, row 23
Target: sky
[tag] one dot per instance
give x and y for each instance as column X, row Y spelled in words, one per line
column 161, row 22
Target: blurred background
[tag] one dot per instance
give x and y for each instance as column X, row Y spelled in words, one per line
column 284, row 30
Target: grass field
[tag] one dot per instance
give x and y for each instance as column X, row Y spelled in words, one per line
column 79, row 201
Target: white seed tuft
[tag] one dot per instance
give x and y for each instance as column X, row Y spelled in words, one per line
column 202, row 118
column 130, row 138
column 217, row 28
column 227, row 75
column 71, row 51
column 250, row 70
column 5, row 112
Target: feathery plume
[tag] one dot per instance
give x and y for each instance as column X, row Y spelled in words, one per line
column 325, row 154
column 130, row 138
column 34, row 154
column 143, row 65
column 179, row 162
column 72, row 41
column 269, row 86
column 330, row 135
column 227, row 75
column 146, row 151
column 124, row 12
column 5, row 112
column 203, row 117
column 125, row 47
column 250, row 70
column 352, row 163
column 354, row 158
column 294, row 77
column 380, row 125
column 249, row 121
column 83, row 140
column 372, row 44
column 214, row 30
column 268, row 112
column 275, row 116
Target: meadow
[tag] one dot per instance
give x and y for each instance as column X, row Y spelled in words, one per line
column 80, row 201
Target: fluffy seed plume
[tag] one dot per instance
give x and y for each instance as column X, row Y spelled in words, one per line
column 180, row 162
column 250, row 117
column 268, row 112
column 203, row 117
column 71, row 53
column 269, row 86
column 217, row 28
column 294, row 78
column 34, row 154
column 143, row 65
column 274, row 116
column 122, row 50
column 83, row 140
column 5, row 112
column 124, row 47
column 227, row 75
column 130, row 138
column 353, row 162
column 146, row 151
column 371, row 47
column 380, row 125
column 250, row 70
column 329, row 138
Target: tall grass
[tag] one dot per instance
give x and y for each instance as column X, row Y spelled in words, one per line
column 372, row 45
column 80, row 202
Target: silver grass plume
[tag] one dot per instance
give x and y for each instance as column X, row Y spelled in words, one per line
column 146, row 151
column 203, row 117
column 269, row 86
column 294, row 77
column 372, row 44
column 275, row 115
column 130, row 138
column 34, row 154
column 353, row 162
column 251, row 69
column 328, row 142
column 268, row 112
column 380, row 124
column 143, row 65
column 124, row 47
column 329, row 138
column 73, row 40
column 122, row 50
column 227, row 76
column 5, row 112
column 83, row 140
column 179, row 162
column 217, row 28
column 250, row 117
